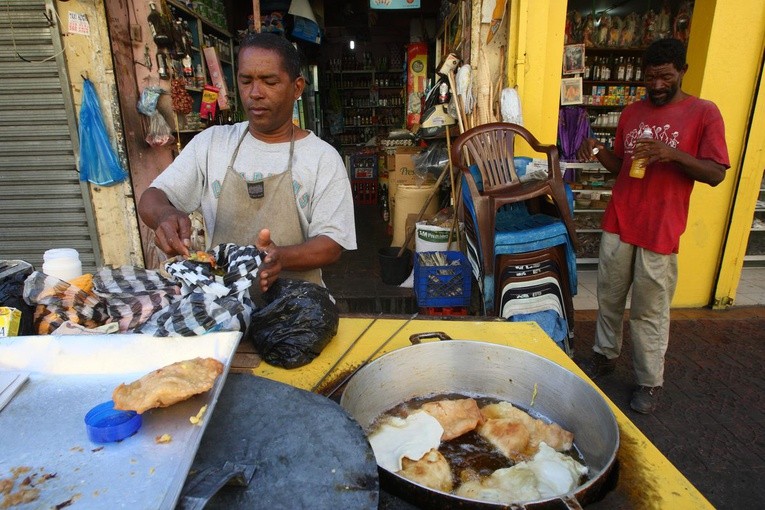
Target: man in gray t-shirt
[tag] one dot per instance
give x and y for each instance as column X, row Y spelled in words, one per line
column 263, row 182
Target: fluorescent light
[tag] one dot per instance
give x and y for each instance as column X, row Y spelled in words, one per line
column 352, row 44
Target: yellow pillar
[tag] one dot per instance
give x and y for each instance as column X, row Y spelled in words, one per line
column 731, row 65
column 724, row 57
column 535, row 55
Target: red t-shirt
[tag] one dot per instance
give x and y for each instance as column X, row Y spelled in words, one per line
column 652, row 212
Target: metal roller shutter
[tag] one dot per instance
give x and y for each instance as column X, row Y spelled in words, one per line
column 43, row 205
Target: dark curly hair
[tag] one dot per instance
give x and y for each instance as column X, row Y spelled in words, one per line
column 665, row 51
column 278, row 44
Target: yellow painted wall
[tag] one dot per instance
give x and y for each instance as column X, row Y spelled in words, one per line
column 724, row 54
column 113, row 206
column 725, row 49
column 535, row 53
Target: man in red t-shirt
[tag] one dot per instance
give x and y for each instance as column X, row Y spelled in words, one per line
column 646, row 216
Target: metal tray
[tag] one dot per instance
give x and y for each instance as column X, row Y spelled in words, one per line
column 43, row 426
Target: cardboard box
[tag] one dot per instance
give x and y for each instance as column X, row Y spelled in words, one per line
column 10, row 319
column 402, row 170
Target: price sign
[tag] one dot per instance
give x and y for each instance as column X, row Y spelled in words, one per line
column 78, row 24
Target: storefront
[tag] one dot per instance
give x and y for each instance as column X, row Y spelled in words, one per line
column 117, row 49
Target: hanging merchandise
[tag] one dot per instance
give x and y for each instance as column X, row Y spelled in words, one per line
column 99, row 162
column 209, row 106
column 159, row 133
column 162, row 66
column 147, row 103
column 416, row 67
column 182, row 102
column 159, row 27
column 305, row 26
column 573, row 128
column 510, row 106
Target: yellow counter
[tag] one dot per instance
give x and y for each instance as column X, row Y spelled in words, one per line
column 646, row 478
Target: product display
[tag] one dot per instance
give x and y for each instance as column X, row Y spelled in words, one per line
column 197, row 37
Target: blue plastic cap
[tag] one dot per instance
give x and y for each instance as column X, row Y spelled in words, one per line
column 106, row 424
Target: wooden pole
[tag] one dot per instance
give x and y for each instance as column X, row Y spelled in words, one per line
column 256, row 15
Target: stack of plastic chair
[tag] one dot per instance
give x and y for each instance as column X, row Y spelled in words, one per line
column 508, row 218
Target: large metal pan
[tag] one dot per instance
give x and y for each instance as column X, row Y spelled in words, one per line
column 483, row 369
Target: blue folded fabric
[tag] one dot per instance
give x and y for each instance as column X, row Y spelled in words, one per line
column 549, row 320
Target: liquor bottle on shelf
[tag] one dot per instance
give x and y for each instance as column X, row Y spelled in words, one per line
column 159, row 27
column 183, row 43
column 162, row 66
column 620, row 69
column 629, row 70
column 639, row 70
column 199, row 77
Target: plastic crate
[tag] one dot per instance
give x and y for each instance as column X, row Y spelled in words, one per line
column 443, row 310
column 364, row 191
column 445, row 285
column 364, row 165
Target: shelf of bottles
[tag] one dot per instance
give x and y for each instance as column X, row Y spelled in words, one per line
column 612, row 77
column 372, row 97
column 181, row 31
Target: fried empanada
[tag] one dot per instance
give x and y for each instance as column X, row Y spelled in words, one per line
column 168, row 385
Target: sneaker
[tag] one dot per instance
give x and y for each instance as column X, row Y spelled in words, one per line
column 598, row 365
column 645, row 399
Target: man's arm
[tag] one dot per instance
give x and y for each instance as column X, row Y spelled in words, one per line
column 171, row 225
column 591, row 147
column 702, row 170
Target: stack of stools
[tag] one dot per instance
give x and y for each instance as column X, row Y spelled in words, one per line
column 537, row 286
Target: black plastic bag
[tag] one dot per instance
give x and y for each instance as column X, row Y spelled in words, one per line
column 297, row 322
column 12, row 276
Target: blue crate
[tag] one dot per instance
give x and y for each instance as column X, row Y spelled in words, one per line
column 443, row 285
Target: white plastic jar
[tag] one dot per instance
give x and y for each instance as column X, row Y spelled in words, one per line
column 63, row 263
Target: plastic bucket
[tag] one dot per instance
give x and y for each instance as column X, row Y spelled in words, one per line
column 393, row 269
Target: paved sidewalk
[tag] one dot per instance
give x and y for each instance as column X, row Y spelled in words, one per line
column 711, row 418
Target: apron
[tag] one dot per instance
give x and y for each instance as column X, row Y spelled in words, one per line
column 245, row 208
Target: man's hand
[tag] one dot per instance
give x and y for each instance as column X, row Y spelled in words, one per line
column 171, row 226
column 702, row 170
column 271, row 266
column 173, row 233
column 653, row 150
column 584, row 153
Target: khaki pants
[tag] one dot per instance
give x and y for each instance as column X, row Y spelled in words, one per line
column 653, row 278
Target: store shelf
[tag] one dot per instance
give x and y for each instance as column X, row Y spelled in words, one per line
column 755, row 250
column 372, row 101
column 205, row 33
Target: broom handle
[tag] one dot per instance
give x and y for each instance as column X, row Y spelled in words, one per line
column 422, row 211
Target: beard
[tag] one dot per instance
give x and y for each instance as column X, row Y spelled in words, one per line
column 660, row 97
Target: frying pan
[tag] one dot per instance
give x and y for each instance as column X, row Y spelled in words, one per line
column 481, row 369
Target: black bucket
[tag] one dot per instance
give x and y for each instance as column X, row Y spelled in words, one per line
column 393, row 269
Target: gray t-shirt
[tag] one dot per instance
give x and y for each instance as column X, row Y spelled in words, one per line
column 322, row 189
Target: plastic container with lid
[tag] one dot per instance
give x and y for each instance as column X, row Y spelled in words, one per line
column 63, row 263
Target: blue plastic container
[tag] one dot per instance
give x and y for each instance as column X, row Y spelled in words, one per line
column 443, row 286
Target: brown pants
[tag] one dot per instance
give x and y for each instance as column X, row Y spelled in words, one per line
column 653, row 278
